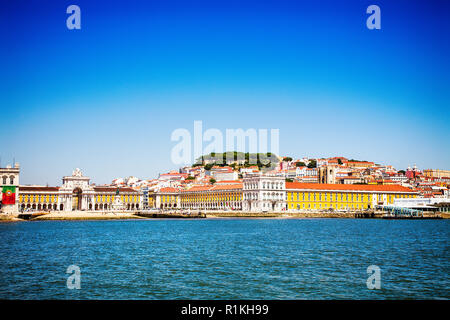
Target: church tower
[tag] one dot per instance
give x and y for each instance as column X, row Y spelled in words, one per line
column 327, row 174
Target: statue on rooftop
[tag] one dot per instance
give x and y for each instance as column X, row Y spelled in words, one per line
column 77, row 173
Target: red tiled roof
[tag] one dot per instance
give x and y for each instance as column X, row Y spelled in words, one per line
column 113, row 189
column 227, row 187
column 215, row 187
column 168, row 190
column 228, row 181
column 347, row 187
column 197, row 188
column 44, row 189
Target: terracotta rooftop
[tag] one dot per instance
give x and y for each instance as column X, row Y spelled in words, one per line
column 113, row 189
column 215, row 187
column 32, row 188
column 168, row 190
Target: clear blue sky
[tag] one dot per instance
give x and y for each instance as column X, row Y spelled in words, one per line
column 106, row 98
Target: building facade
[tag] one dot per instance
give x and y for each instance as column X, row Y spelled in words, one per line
column 327, row 174
column 264, row 193
column 166, row 198
column 270, row 193
column 436, row 173
column 9, row 184
column 215, row 197
column 76, row 193
column 311, row 196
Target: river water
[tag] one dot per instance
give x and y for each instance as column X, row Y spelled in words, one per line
column 225, row 259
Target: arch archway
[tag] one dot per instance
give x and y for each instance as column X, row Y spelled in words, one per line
column 76, row 199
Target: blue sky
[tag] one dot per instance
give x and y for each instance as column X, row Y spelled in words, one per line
column 106, row 98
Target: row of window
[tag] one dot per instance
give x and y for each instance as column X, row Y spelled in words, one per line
column 54, row 198
column 124, row 198
column 169, row 198
column 349, row 197
column 38, row 198
column 264, row 195
column 299, row 206
column 5, row 180
column 265, row 185
column 211, row 198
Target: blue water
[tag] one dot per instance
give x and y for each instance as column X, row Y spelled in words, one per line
column 225, row 259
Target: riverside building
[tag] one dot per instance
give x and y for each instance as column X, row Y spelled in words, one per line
column 264, row 193
column 9, row 188
column 313, row 196
column 255, row 193
column 76, row 193
column 215, row 197
column 261, row 193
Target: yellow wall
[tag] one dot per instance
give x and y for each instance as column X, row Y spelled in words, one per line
column 315, row 200
column 208, row 197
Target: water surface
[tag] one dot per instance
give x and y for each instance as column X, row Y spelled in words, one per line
column 225, row 259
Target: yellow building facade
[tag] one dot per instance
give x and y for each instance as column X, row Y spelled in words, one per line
column 310, row 196
column 216, row 197
column 52, row 199
column 165, row 198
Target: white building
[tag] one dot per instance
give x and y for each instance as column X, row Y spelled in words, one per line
column 264, row 193
column 426, row 204
column 76, row 193
column 9, row 177
column 223, row 173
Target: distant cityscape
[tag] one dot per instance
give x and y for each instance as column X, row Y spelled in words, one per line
column 243, row 182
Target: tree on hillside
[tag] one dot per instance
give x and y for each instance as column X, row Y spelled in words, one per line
column 212, row 180
column 339, row 161
column 312, row 164
column 287, row 159
column 300, row 164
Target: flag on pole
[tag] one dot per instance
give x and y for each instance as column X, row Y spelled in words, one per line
column 9, row 195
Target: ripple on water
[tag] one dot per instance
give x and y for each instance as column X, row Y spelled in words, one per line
column 225, row 259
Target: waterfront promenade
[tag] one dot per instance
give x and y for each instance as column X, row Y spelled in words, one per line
column 118, row 215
